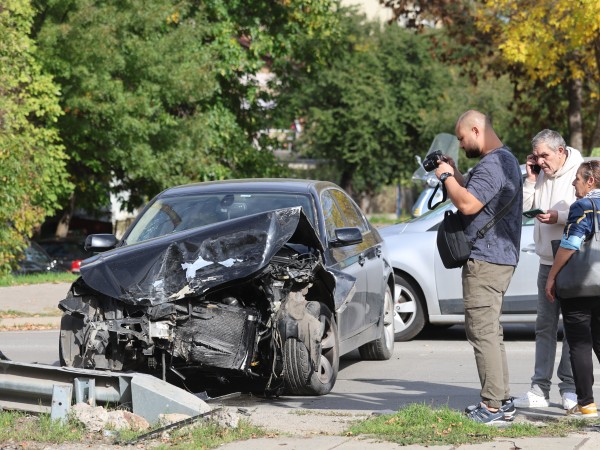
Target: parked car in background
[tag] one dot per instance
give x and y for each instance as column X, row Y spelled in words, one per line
column 35, row 260
column 263, row 281
column 68, row 252
column 428, row 293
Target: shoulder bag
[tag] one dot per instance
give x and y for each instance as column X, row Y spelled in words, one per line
column 580, row 276
column 453, row 245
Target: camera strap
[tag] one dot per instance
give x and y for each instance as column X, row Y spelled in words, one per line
column 431, row 197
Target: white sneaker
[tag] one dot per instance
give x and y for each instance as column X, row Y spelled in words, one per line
column 532, row 400
column 569, row 400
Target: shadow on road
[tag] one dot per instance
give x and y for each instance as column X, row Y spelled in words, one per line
column 512, row 332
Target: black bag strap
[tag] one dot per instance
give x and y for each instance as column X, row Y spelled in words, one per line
column 444, row 196
column 494, row 220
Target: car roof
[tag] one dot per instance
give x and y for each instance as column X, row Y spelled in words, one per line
column 291, row 185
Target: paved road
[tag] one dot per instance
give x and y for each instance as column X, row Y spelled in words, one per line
column 436, row 369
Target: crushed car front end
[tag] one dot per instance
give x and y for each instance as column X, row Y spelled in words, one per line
column 212, row 303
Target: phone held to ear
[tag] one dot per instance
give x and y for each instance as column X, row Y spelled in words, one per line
column 533, row 212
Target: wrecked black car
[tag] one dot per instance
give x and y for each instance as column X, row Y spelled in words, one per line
column 264, row 281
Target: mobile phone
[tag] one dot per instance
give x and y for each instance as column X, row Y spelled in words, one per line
column 536, row 168
column 533, row 212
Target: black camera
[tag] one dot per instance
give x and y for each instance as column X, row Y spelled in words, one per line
column 430, row 162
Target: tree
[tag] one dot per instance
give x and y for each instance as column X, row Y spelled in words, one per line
column 32, row 161
column 366, row 111
column 545, row 48
column 163, row 92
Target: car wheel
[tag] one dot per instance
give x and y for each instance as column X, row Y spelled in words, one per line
column 70, row 349
column 299, row 373
column 382, row 348
column 409, row 310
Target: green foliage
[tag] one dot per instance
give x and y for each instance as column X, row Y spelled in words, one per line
column 160, row 92
column 422, row 425
column 211, row 435
column 369, row 111
column 32, row 162
column 21, row 427
column 385, row 95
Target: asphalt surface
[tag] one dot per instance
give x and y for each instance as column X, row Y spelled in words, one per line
column 36, row 305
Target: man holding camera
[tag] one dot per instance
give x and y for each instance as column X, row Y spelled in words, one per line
column 479, row 196
column 551, row 169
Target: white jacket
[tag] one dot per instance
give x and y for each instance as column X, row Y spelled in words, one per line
column 552, row 192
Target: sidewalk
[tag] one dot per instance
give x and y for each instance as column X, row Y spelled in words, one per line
column 35, row 305
column 584, row 441
column 40, row 303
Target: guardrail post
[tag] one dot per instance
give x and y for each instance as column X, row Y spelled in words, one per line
column 61, row 402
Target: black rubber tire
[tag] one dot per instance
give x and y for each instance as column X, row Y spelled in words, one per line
column 300, row 375
column 409, row 309
column 382, row 348
column 69, row 348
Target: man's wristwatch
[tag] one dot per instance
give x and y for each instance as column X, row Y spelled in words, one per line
column 444, row 176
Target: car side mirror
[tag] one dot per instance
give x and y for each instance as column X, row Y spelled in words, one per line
column 100, row 242
column 347, row 236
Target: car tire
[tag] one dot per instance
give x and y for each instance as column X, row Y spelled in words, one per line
column 383, row 347
column 69, row 347
column 409, row 309
column 299, row 373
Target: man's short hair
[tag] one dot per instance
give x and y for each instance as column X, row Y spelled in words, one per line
column 551, row 138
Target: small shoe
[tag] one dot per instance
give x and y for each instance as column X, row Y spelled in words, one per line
column 583, row 411
column 508, row 408
column 531, row 400
column 569, row 399
column 482, row 414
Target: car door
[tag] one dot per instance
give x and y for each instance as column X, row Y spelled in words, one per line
column 370, row 254
column 350, row 260
column 521, row 296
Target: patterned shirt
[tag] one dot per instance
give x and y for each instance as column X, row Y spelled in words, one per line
column 580, row 224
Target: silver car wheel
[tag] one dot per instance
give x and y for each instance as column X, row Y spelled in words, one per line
column 405, row 308
column 409, row 309
column 389, row 319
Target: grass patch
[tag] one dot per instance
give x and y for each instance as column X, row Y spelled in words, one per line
column 420, row 424
column 211, row 435
column 11, row 314
column 381, row 220
column 19, row 427
column 38, row 278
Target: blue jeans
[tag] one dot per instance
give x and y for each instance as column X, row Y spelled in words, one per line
column 546, row 331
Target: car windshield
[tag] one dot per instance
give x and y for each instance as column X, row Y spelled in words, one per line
column 438, row 211
column 173, row 214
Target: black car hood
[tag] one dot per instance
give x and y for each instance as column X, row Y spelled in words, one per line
column 193, row 261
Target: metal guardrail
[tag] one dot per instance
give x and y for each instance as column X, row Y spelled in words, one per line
column 51, row 389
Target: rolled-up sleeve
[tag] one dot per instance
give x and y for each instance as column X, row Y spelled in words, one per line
column 578, row 226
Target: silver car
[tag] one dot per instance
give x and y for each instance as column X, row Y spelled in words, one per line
column 427, row 292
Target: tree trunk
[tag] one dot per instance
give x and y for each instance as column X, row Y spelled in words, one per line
column 596, row 136
column 575, row 123
column 62, row 229
column 346, row 180
column 365, row 202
